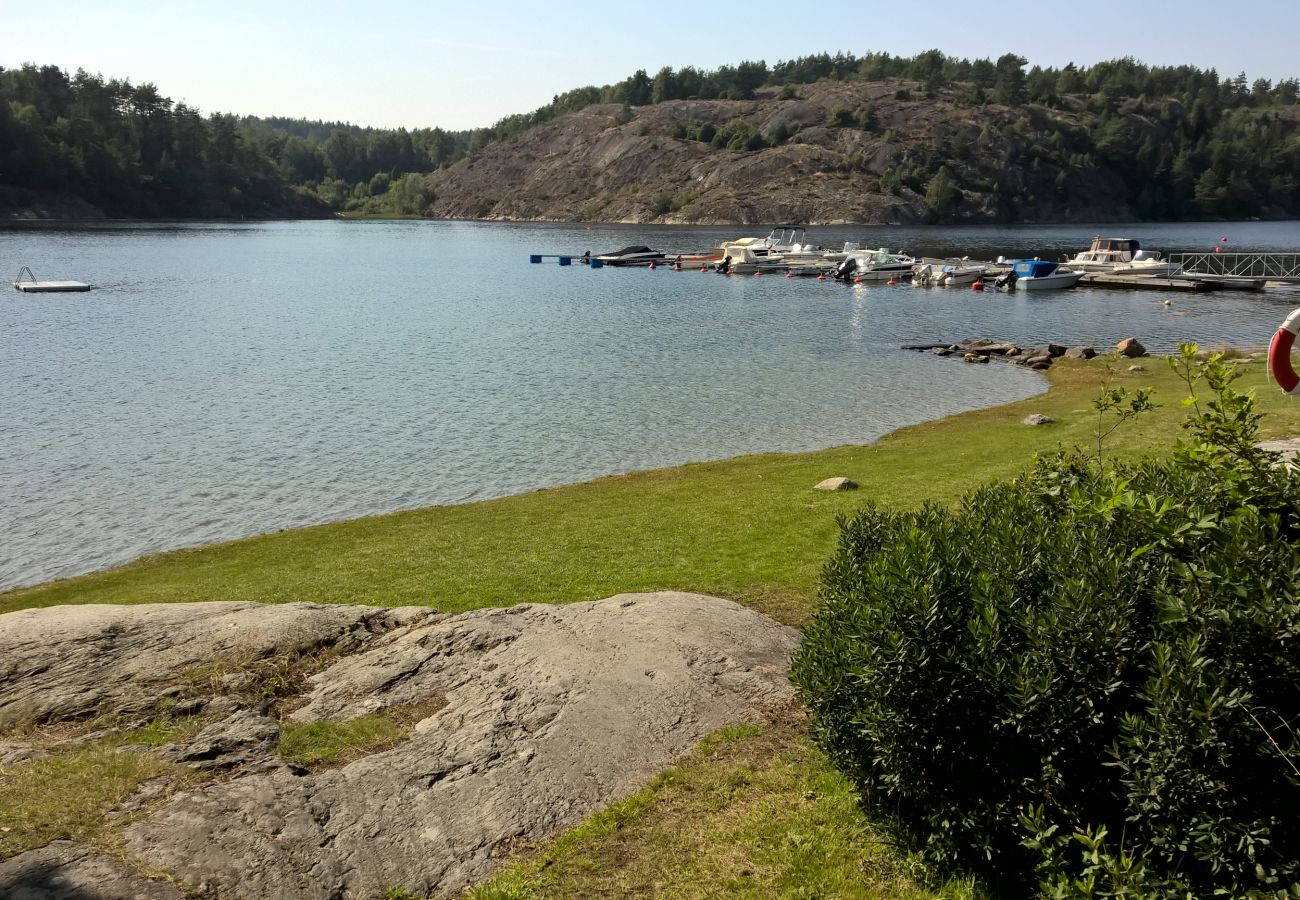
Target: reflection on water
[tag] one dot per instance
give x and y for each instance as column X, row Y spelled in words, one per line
column 228, row 379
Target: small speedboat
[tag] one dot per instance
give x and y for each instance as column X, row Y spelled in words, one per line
column 638, row 255
column 873, row 265
column 1037, row 275
column 1147, row 262
column 950, row 276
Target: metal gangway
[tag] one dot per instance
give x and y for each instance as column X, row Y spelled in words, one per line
column 1269, row 266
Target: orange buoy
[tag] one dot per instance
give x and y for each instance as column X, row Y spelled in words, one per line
column 789, row 274
column 652, row 265
column 757, row 273
column 857, row 281
column 891, row 282
column 977, row 285
column 1279, row 354
column 821, row 277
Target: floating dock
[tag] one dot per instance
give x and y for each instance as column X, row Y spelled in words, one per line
column 1186, row 281
column 32, row 286
column 1144, row 282
column 566, row 259
column 50, row 287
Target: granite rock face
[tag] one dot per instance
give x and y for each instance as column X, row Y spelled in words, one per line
column 65, row 870
column 544, row 714
column 73, row 662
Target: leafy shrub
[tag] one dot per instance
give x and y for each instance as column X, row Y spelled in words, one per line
column 1086, row 677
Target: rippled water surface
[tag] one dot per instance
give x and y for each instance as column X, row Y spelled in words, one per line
column 223, row 380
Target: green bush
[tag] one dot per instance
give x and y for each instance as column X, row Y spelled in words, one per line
column 1086, row 678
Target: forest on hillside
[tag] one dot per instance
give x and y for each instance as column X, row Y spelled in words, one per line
column 1225, row 147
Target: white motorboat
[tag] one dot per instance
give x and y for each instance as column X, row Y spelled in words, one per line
column 873, row 265
column 1120, row 256
column 1105, row 254
column 950, row 276
column 950, row 271
column 788, row 242
column 1148, row 262
column 1038, row 275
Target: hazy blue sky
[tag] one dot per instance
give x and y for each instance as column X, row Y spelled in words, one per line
column 467, row 64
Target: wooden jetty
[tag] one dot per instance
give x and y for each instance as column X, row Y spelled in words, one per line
column 33, row 286
column 1142, row 282
column 1187, row 282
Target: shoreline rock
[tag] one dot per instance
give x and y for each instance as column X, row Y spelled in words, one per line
column 551, row 712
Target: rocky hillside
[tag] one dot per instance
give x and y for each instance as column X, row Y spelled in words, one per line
column 826, row 153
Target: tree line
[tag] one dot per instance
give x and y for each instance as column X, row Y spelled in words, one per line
column 131, row 151
column 1216, row 146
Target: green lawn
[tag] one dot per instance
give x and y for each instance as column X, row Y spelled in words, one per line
column 755, row 811
column 749, row 528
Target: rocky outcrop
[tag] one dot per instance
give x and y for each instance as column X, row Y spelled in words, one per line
column 76, row 662
column 550, row 712
column 604, row 164
column 65, row 870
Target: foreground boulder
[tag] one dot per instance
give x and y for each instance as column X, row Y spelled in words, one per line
column 544, row 714
column 1131, row 348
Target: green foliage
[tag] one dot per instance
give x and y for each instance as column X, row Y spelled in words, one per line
column 839, row 117
column 131, row 151
column 1083, row 652
column 739, row 134
column 942, row 195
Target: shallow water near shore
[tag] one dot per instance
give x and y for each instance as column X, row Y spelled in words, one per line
column 229, row 379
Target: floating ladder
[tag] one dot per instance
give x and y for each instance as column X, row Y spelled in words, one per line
column 32, row 286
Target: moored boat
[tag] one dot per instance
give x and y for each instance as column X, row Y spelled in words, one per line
column 1038, row 275
column 636, row 255
column 873, row 265
column 1120, row 256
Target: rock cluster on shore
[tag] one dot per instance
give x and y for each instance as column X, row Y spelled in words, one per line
column 533, row 717
column 982, row 350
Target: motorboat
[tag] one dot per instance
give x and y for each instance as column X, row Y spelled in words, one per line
column 1037, row 275
column 1105, row 254
column 740, row 258
column 947, row 272
column 637, row 255
column 873, row 265
column 1148, row 262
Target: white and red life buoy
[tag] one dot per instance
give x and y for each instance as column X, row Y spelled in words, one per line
column 1279, row 354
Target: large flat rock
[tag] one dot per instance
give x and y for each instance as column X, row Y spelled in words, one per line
column 551, row 712
column 72, row 662
column 65, row 870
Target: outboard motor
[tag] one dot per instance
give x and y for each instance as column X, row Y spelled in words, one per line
column 1006, row 282
column 844, row 271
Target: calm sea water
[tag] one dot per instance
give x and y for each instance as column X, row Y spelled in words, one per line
column 223, row 380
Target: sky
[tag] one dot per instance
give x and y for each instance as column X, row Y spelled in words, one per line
column 465, row 65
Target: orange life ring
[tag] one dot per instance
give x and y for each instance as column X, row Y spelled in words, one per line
column 1279, row 354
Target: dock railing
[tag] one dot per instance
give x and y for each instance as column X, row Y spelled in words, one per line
column 1270, row 266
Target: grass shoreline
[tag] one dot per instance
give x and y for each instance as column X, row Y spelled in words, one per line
column 749, row 528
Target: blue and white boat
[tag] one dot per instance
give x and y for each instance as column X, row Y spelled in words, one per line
column 1038, row 275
